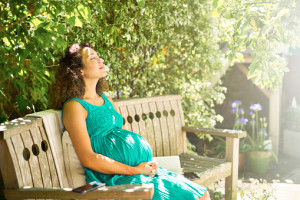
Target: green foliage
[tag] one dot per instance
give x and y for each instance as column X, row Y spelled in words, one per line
column 151, row 48
column 265, row 27
column 33, row 36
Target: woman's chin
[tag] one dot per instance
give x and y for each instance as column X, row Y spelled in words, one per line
column 103, row 75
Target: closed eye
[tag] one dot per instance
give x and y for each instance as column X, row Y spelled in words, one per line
column 93, row 58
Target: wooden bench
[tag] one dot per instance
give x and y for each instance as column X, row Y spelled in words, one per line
column 28, row 162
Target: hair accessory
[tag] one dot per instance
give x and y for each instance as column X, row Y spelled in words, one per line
column 74, row 48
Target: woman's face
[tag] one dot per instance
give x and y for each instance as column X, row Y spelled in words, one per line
column 93, row 67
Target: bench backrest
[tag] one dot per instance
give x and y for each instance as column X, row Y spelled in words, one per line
column 29, row 157
column 159, row 119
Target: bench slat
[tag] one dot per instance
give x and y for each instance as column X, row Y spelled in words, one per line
column 135, row 191
column 52, row 167
column 141, row 122
column 157, row 130
column 207, row 170
column 18, row 147
column 177, row 123
column 33, row 160
column 124, row 113
column 217, row 132
column 134, row 124
column 164, row 129
column 10, row 169
column 42, row 157
column 171, row 128
column 149, row 127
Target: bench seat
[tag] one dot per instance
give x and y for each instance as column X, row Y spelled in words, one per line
column 203, row 170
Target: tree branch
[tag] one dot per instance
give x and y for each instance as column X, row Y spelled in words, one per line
column 11, row 25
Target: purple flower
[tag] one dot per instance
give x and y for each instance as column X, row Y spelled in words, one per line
column 233, row 110
column 241, row 111
column 262, row 131
column 236, row 103
column 242, row 121
column 256, row 107
column 251, row 113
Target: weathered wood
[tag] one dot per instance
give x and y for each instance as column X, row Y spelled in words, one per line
column 141, row 123
column 16, row 126
column 157, row 129
column 134, row 101
column 232, row 155
column 177, row 122
column 124, row 113
column 149, row 128
column 171, row 127
column 42, row 157
column 183, row 135
column 135, row 191
column 134, row 123
column 217, row 132
column 50, row 159
column 33, row 160
column 18, row 146
column 10, row 170
column 208, row 170
column 164, row 128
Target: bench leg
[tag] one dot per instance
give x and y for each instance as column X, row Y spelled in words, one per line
column 232, row 155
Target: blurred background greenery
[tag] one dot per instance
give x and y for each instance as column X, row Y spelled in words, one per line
column 151, row 48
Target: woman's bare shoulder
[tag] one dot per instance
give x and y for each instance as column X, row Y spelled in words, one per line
column 73, row 107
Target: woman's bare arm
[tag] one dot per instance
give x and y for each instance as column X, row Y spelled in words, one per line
column 74, row 116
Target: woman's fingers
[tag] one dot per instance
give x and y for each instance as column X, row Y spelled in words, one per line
column 153, row 163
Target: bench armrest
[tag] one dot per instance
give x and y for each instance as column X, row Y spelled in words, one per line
column 218, row 132
column 134, row 191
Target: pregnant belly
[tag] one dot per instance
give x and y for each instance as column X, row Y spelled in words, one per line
column 124, row 146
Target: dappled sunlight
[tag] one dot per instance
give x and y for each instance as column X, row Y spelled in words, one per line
column 5, row 125
column 67, row 189
column 3, row 128
column 144, row 187
column 27, row 187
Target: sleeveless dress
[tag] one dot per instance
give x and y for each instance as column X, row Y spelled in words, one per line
column 104, row 126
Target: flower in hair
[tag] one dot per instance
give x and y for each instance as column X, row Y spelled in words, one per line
column 74, row 48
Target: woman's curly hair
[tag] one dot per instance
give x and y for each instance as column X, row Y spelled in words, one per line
column 68, row 79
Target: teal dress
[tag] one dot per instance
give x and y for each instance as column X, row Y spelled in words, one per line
column 104, row 126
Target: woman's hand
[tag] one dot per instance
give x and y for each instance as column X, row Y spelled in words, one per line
column 147, row 168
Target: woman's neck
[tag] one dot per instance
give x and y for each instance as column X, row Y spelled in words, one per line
column 90, row 90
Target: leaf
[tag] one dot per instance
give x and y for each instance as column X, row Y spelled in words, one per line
column 78, row 22
column 22, row 103
column 215, row 3
column 71, row 20
column 43, row 25
column 85, row 12
column 61, row 29
column 141, row 3
column 283, row 12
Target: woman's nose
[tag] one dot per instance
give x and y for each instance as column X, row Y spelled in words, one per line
column 101, row 60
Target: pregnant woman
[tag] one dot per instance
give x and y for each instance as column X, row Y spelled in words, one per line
column 108, row 153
